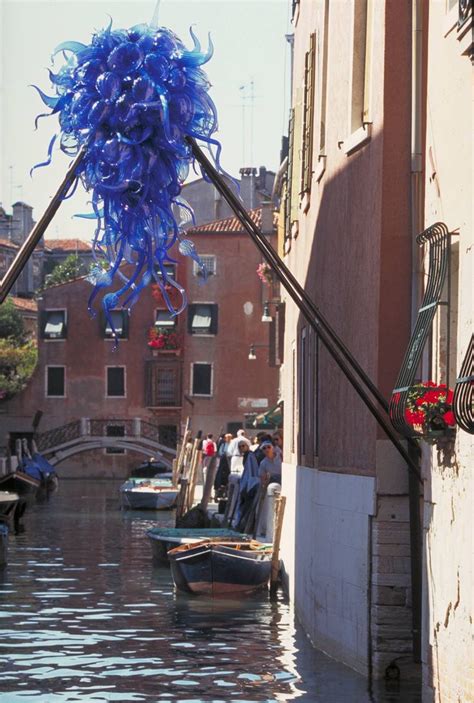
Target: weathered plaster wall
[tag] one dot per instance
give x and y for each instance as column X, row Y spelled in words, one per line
column 448, row 526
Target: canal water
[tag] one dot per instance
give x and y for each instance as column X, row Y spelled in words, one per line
column 85, row 616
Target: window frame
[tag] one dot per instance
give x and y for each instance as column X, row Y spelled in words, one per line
column 214, row 324
column 211, row 380
column 115, row 366
column 171, row 324
column 109, row 450
column 360, row 130
column 46, row 369
column 197, row 269
column 125, row 326
column 44, row 322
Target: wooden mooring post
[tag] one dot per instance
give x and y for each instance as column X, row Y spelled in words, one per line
column 277, row 526
column 193, row 472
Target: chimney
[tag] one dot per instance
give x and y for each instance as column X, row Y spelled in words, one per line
column 267, row 217
column 247, row 187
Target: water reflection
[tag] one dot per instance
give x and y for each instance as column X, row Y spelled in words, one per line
column 84, row 616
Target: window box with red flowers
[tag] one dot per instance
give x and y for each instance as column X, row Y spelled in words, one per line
column 429, row 411
column 162, row 340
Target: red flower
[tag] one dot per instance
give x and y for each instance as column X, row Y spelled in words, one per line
column 414, row 417
column 449, row 418
column 433, row 396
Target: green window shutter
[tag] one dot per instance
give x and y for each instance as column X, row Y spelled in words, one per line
column 308, row 115
column 289, row 173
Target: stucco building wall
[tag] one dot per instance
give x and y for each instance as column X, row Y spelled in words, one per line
column 448, row 526
column 345, row 544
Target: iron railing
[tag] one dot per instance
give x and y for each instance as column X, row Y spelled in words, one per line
column 437, row 239
column 463, row 403
column 58, row 435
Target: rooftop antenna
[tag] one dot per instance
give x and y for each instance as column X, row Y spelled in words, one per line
column 248, row 99
column 242, row 93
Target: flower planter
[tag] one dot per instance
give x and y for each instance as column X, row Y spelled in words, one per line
column 429, row 412
column 166, row 352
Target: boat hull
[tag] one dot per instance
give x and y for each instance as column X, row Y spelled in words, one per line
column 148, row 494
column 219, row 570
column 19, row 482
column 166, row 538
column 3, row 544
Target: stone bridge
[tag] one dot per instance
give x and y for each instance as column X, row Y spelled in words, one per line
column 86, row 434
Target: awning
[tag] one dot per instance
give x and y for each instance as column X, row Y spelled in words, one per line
column 272, row 419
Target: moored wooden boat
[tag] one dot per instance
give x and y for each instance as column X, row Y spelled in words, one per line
column 162, row 539
column 8, row 504
column 21, row 483
column 3, row 544
column 148, row 494
column 221, row 568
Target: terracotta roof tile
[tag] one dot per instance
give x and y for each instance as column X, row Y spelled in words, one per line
column 67, row 245
column 8, row 243
column 25, row 304
column 230, row 224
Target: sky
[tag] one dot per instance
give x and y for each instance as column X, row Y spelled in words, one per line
column 249, row 48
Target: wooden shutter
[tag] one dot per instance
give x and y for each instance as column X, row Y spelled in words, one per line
column 308, row 116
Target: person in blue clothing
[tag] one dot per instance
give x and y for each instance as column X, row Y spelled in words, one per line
column 269, row 470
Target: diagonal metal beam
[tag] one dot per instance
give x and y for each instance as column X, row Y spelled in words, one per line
column 39, row 229
column 357, row 377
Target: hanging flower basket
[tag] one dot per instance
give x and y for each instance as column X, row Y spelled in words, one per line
column 265, row 273
column 162, row 339
column 429, row 411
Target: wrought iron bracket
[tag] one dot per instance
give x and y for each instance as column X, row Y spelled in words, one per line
column 437, row 238
column 463, row 403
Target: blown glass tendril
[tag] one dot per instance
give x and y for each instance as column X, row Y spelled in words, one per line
column 132, row 97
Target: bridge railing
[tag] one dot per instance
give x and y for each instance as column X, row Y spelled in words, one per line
column 120, row 428
column 59, row 435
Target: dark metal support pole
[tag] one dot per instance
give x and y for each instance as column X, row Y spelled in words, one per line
column 39, row 229
column 341, row 355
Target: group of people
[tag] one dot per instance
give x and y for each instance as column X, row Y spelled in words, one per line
column 246, row 463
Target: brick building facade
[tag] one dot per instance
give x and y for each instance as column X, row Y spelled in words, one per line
column 208, row 378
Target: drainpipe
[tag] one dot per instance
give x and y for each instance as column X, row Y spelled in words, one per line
column 416, row 207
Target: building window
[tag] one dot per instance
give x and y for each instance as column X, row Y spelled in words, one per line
column 162, row 384
column 201, row 379
column 54, row 324
column 168, row 269
column 56, row 381
column 361, row 64
column 115, row 382
column 209, row 262
column 165, row 319
column 168, row 435
column 202, row 318
column 115, row 431
column 302, row 392
column 323, row 59
column 308, row 115
column 119, row 320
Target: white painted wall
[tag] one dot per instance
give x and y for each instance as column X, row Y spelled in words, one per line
column 448, row 652
column 325, row 553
